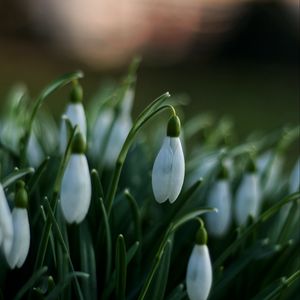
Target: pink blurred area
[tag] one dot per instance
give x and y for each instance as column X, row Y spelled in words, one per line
column 108, row 33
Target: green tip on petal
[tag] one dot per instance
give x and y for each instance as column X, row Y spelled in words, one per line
column 79, row 145
column 174, row 126
column 21, row 196
column 201, row 235
column 76, row 95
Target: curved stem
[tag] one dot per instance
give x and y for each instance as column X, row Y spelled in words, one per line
column 123, row 153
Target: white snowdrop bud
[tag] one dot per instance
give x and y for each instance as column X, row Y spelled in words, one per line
column 76, row 190
column 220, row 198
column 119, row 131
column 21, row 239
column 6, row 224
column 294, row 183
column 199, row 270
column 248, row 196
column 34, row 151
column 168, row 169
column 76, row 115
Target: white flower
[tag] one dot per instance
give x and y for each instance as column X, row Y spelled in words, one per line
column 6, row 224
column 168, row 171
column 34, row 151
column 247, row 198
column 273, row 165
column 199, row 273
column 294, row 183
column 76, row 187
column 21, row 240
column 75, row 113
column 220, row 198
column 119, row 131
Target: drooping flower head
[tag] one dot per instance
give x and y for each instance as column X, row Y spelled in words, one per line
column 168, row 169
column 199, row 270
column 76, row 190
column 75, row 113
column 111, row 129
column 248, row 195
column 220, row 198
column 6, row 224
column 21, row 239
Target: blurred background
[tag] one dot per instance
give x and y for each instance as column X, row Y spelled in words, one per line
column 235, row 58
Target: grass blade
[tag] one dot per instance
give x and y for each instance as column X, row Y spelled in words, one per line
column 121, row 268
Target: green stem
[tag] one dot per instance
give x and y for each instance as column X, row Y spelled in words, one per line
column 144, row 118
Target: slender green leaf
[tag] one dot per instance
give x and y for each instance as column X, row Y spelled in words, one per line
column 30, row 283
column 16, row 175
column 108, row 239
column 63, row 244
column 161, row 277
column 88, row 263
column 248, row 231
column 54, row 294
column 34, row 180
column 121, row 269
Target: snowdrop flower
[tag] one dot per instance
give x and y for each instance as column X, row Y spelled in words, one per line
column 269, row 166
column 294, row 182
column 119, row 130
column 6, row 224
column 76, row 115
column 21, row 240
column 199, row 270
column 75, row 196
column 34, row 151
column 168, row 169
column 220, row 198
column 248, row 196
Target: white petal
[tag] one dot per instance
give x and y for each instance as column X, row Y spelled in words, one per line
column 199, row 273
column 34, row 151
column 99, row 132
column 294, row 183
column 6, row 224
column 220, row 198
column 75, row 112
column 117, row 138
column 177, row 173
column 161, row 172
column 76, row 189
column 21, row 239
column 247, row 199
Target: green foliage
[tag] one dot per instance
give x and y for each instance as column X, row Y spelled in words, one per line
column 129, row 246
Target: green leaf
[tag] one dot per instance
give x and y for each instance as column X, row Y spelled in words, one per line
column 248, row 231
column 63, row 244
column 276, row 289
column 16, row 175
column 54, row 294
column 178, row 293
column 112, row 282
column 136, row 215
column 108, row 239
column 88, row 263
column 34, row 180
column 158, row 289
column 30, row 283
column 121, row 269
